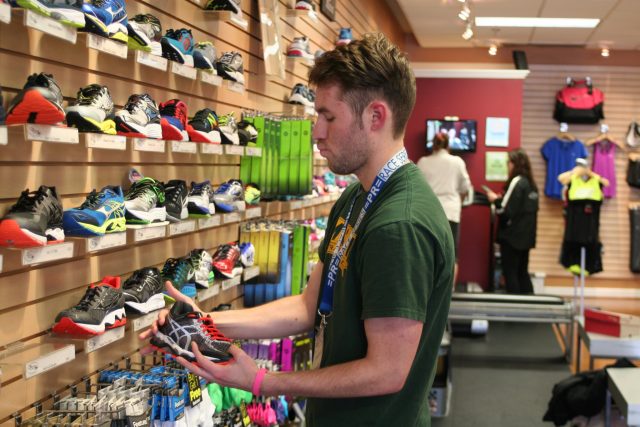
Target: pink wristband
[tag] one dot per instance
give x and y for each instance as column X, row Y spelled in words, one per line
column 257, row 382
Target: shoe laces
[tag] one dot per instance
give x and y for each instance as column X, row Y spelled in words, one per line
column 205, row 116
column 210, row 329
column 171, row 109
column 174, row 190
column 171, row 267
column 142, row 187
column 87, row 94
column 199, row 188
column 89, row 298
column 227, row 252
column 227, row 58
column 27, row 201
column 92, row 200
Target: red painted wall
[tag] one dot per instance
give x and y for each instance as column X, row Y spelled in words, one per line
column 468, row 99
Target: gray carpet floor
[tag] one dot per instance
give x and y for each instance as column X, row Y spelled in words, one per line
column 505, row 378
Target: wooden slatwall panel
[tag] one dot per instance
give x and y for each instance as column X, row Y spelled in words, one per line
column 31, row 297
column 621, row 87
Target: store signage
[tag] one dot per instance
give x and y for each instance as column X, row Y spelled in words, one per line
column 184, row 147
column 209, row 292
column 184, row 70
column 150, row 60
column 182, row 227
column 146, row 144
column 210, row 78
column 231, row 217
column 48, row 253
column 105, row 142
column 250, row 273
column 50, row 26
column 212, row 221
column 328, row 8
column 49, row 361
column 230, row 283
column 206, row 148
column 5, row 13
column 106, row 45
column 253, row 213
column 48, row 133
column 108, row 241
column 234, row 150
column 99, row 341
column 253, row 151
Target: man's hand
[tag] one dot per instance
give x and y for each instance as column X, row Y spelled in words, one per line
column 240, row 372
column 178, row 296
column 492, row 196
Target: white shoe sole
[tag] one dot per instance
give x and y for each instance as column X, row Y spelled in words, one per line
column 153, row 215
column 156, row 302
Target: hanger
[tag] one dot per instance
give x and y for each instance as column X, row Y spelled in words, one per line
column 604, row 136
column 564, row 133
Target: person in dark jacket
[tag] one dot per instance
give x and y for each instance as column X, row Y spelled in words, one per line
column 517, row 212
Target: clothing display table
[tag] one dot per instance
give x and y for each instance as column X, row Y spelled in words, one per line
column 605, row 346
column 623, row 386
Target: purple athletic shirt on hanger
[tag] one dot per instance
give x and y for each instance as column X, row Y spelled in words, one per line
column 604, row 164
column 561, row 156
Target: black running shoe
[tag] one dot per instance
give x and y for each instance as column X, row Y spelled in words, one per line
column 230, row 67
column 247, row 132
column 204, row 127
column 101, row 308
column 176, row 193
column 178, row 271
column 230, row 5
column 39, row 101
column 183, row 326
column 35, row 220
column 144, row 290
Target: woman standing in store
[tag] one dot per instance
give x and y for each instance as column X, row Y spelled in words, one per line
column 517, row 212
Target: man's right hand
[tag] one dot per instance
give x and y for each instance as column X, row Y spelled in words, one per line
column 162, row 315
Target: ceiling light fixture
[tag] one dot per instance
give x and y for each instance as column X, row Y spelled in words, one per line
column 486, row 21
column 604, row 52
column 493, row 50
column 468, row 32
column 462, row 1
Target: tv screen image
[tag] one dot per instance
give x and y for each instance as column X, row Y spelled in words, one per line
column 462, row 134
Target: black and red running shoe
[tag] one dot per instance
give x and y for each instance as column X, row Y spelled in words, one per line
column 101, row 308
column 183, row 326
column 39, row 101
column 226, row 260
column 174, row 120
column 35, row 220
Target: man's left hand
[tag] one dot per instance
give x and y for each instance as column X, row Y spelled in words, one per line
column 240, row 372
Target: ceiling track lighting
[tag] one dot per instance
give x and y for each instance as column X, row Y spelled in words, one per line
column 464, row 13
column 605, row 52
column 468, row 32
column 493, row 50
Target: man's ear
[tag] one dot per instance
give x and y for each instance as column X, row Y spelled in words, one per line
column 378, row 113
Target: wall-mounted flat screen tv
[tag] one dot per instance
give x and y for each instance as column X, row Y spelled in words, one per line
column 462, row 134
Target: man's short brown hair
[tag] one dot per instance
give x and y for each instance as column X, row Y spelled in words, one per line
column 367, row 69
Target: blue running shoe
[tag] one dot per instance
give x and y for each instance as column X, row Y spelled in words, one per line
column 199, row 201
column 229, row 197
column 106, row 18
column 102, row 212
column 177, row 45
column 345, row 36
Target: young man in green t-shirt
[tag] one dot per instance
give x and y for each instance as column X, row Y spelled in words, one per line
column 387, row 261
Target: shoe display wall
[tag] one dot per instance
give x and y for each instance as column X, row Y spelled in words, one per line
column 85, row 225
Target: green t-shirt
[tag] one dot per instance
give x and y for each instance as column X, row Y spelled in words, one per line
column 400, row 264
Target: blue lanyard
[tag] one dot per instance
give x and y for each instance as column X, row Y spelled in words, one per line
column 400, row 159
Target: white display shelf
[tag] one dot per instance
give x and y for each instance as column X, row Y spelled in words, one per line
column 209, row 293
column 141, row 233
column 50, row 26
column 48, row 133
column 108, row 46
column 33, row 360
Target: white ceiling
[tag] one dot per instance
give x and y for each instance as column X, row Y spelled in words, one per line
column 435, row 23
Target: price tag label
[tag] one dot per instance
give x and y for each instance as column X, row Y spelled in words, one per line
column 253, row 151
column 253, row 212
column 230, row 283
column 99, row 341
column 108, row 241
column 145, row 321
column 106, row 45
column 50, row 26
column 149, row 232
column 206, row 148
column 182, row 227
column 195, row 392
column 231, row 217
column 49, row 133
column 237, row 19
column 1, row 262
column 235, row 86
column 5, row 13
column 209, row 292
column 295, row 204
column 184, row 147
column 234, row 150
column 49, row 361
column 47, row 253
column 4, row 135
column 150, row 60
column 147, row 144
column 105, row 142
column 184, row 70
column 210, row 78
column 212, row 221
column 251, row 272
